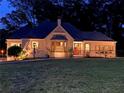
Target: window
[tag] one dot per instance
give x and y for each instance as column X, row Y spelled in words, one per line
column 61, row 44
column 65, row 44
column 97, row 48
column 111, row 48
column 104, row 49
column 101, row 48
column 87, row 47
column 15, row 44
column 34, row 44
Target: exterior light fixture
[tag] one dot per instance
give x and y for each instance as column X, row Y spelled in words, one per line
column 2, row 52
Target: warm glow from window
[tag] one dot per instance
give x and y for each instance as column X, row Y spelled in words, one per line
column 65, row 44
column 35, row 44
column 15, row 44
column 103, row 48
column 75, row 45
column 97, row 48
column 58, row 46
column 87, row 47
column 61, row 43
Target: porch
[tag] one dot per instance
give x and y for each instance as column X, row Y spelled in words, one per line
column 61, row 49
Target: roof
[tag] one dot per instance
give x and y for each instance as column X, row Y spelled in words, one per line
column 40, row 31
column 98, row 36
column 47, row 26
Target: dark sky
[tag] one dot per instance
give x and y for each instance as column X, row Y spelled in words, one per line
column 4, row 9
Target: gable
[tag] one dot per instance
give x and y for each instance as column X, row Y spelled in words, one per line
column 73, row 31
column 59, row 31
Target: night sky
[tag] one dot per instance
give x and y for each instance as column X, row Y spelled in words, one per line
column 4, row 9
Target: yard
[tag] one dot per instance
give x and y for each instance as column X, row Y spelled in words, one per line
column 63, row 76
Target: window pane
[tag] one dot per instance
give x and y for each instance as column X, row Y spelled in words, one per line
column 87, row 47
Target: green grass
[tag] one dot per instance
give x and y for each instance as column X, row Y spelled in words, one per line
column 63, row 76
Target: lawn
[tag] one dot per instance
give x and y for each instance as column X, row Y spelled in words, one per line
column 63, row 76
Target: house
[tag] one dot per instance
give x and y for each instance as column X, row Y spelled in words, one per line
column 61, row 39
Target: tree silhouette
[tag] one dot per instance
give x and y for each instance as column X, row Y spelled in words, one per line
column 14, row 51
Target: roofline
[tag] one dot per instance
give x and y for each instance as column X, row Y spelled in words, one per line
column 101, row 41
column 74, row 40
column 13, row 40
column 25, row 38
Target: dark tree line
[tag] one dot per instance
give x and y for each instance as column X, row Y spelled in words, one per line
column 105, row 16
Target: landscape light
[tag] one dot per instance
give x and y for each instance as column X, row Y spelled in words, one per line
column 2, row 51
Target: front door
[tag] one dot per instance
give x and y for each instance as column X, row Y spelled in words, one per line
column 77, row 49
column 58, row 48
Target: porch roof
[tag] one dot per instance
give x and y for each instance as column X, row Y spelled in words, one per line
column 58, row 37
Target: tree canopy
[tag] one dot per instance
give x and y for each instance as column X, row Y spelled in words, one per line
column 100, row 15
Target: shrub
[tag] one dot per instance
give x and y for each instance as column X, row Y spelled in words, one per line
column 14, row 51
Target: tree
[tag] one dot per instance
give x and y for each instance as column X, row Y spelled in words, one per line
column 35, row 11
column 3, row 36
column 14, row 51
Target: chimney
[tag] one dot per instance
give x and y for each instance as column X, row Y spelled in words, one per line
column 59, row 21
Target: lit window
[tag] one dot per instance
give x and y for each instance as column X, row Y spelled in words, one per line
column 106, row 48
column 87, row 47
column 65, row 44
column 34, row 44
column 61, row 43
column 111, row 48
column 101, row 48
column 15, row 44
column 97, row 48
column 76, row 45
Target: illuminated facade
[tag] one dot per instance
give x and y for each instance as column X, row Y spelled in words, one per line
column 60, row 40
